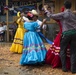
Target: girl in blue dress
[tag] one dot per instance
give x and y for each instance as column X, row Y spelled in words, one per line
column 34, row 50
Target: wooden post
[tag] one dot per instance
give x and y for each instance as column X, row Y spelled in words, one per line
column 73, row 5
column 37, row 7
column 57, row 6
column 43, row 2
column 7, row 22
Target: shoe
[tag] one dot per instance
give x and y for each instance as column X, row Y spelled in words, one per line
column 73, row 72
column 64, row 70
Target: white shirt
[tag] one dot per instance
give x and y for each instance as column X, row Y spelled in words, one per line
column 1, row 29
column 39, row 23
column 5, row 27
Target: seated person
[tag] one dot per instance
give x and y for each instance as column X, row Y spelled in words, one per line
column 12, row 30
column 5, row 30
column 1, row 32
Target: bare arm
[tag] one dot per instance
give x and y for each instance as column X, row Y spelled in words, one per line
column 19, row 20
column 43, row 22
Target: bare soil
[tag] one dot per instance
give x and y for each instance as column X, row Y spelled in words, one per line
column 9, row 64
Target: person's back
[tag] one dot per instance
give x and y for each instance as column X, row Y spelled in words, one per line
column 68, row 37
column 17, row 45
column 68, row 20
column 20, row 23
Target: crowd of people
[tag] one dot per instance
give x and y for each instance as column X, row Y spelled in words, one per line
column 28, row 40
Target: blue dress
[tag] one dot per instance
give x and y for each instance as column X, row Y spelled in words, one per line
column 34, row 50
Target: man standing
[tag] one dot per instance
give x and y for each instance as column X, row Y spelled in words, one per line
column 68, row 21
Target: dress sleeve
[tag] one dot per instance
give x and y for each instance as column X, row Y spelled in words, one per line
column 36, row 25
column 18, row 21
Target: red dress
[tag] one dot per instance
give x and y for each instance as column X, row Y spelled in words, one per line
column 53, row 54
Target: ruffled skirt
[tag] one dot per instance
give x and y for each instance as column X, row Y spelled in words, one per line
column 34, row 50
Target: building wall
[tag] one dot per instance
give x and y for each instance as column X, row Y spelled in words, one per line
column 52, row 25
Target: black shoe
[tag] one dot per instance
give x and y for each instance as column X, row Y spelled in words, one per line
column 65, row 70
column 73, row 72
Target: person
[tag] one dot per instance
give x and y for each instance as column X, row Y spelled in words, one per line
column 4, row 25
column 68, row 22
column 13, row 26
column 34, row 51
column 35, row 18
column 5, row 30
column 53, row 54
column 12, row 30
column 17, row 45
column 1, row 32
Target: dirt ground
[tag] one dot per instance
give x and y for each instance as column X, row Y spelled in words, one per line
column 9, row 64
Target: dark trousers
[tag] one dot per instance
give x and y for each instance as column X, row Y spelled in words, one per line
column 65, row 41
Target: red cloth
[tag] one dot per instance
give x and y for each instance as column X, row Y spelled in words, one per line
column 53, row 54
column 62, row 9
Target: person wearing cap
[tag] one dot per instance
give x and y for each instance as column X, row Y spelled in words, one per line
column 34, row 51
column 68, row 22
column 17, row 45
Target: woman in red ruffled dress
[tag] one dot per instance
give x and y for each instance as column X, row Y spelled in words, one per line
column 53, row 54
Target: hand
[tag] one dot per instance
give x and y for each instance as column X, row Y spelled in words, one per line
column 45, row 7
column 44, row 20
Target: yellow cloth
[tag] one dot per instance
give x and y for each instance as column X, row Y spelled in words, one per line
column 17, row 45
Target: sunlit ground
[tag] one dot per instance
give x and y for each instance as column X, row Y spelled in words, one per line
column 9, row 64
